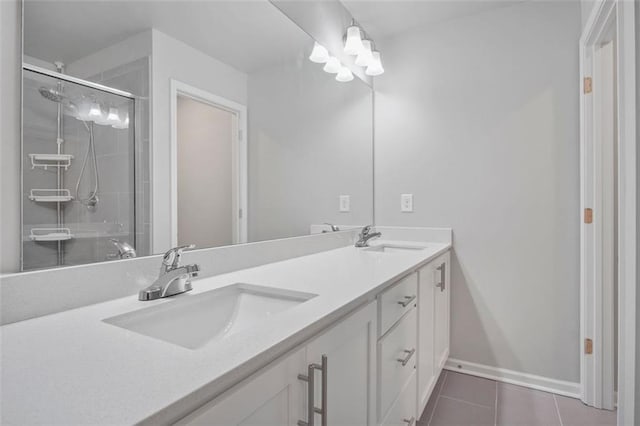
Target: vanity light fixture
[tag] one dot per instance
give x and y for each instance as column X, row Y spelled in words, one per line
column 353, row 43
column 319, row 54
column 344, row 75
column 332, row 66
column 365, row 57
column 375, row 67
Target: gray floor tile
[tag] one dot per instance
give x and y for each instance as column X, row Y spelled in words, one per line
column 456, row 413
column 521, row 406
column 426, row 414
column 475, row 390
column 574, row 412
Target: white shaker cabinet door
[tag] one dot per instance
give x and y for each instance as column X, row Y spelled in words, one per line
column 442, row 310
column 271, row 398
column 346, row 353
column 426, row 331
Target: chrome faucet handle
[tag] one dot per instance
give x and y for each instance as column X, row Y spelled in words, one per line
column 366, row 230
column 125, row 250
column 171, row 259
column 333, row 227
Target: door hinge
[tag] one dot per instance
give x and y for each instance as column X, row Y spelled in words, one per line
column 240, row 213
column 588, row 346
column 588, row 215
column 587, row 85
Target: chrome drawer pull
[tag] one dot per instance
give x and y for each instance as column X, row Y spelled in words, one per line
column 410, row 421
column 312, row 410
column 407, row 358
column 443, row 276
column 405, row 303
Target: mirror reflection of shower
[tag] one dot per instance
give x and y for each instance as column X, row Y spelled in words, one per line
column 90, row 123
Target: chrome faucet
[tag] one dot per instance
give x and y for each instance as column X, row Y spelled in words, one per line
column 366, row 235
column 173, row 278
column 334, row 228
column 125, row 251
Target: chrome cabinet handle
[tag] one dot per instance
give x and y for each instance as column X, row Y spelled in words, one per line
column 407, row 301
column 406, row 359
column 410, row 421
column 312, row 410
column 442, row 268
column 325, row 389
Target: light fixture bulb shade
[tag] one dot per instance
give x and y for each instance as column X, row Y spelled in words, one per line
column 332, row 66
column 344, row 75
column 353, row 44
column 83, row 110
column 113, row 117
column 364, row 57
column 319, row 54
column 95, row 112
column 122, row 124
column 375, row 67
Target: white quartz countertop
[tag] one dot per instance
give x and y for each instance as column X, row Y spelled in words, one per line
column 73, row 368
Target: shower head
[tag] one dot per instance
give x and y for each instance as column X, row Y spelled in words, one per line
column 52, row 94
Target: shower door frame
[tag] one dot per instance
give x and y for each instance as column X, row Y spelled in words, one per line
column 74, row 80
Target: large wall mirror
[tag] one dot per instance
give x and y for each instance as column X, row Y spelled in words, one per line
column 151, row 124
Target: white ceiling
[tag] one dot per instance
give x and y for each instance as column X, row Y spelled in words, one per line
column 244, row 34
column 383, row 18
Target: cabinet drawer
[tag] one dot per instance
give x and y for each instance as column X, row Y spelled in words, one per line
column 403, row 411
column 396, row 361
column 397, row 301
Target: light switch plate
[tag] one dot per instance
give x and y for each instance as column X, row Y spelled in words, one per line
column 345, row 203
column 406, row 203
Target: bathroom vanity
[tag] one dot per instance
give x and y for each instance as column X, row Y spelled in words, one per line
column 346, row 336
column 121, row 162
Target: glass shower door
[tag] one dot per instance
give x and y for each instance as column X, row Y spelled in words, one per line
column 78, row 177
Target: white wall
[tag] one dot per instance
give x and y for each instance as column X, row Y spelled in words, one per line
column 10, row 85
column 172, row 59
column 128, row 50
column 478, row 118
column 310, row 141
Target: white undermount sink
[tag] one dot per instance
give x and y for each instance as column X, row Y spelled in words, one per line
column 394, row 248
column 193, row 320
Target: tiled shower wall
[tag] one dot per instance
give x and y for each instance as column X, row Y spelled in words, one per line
column 117, row 159
column 135, row 77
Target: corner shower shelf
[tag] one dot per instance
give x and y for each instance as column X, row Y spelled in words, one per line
column 50, row 234
column 50, row 195
column 50, row 160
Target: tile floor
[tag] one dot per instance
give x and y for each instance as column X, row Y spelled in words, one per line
column 462, row 400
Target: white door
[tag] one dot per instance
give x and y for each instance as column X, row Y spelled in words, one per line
column 273, row 398
column 350, row 349
column 206, row 139
column 426, row 317
column 441, row 312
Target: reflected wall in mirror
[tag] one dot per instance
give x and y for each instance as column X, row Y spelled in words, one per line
column 148, row 124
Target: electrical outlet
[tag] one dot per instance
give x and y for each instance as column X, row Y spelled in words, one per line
column 406, row 203
column 345, row 203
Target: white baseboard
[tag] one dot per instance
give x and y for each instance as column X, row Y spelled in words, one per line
column 559, row 387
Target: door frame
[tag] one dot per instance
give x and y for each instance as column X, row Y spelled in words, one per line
column 239, row 156
column 608, row 19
